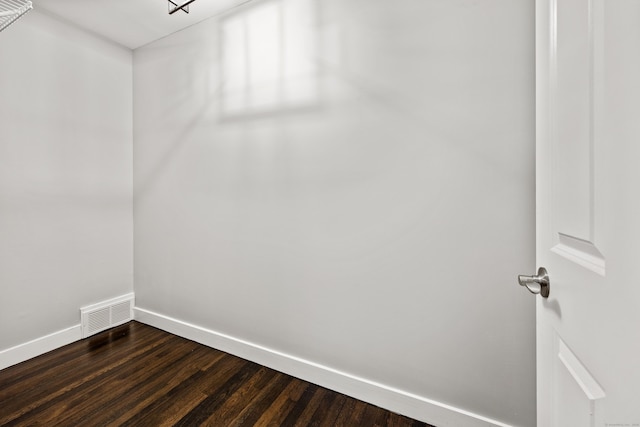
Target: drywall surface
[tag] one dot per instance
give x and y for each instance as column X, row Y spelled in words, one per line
column 65, row 176
column 349, row 182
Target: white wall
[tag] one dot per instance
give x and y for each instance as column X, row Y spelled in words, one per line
column 377, row 231
column 65, row 176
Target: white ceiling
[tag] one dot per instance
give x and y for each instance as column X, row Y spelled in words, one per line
column 133, row 23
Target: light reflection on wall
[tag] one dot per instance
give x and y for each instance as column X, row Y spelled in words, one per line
column 268, row 58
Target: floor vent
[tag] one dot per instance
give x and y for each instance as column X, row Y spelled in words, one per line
column 107, row 314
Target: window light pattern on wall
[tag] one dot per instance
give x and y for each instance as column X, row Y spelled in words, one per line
column 12, row 10
column 268, row 58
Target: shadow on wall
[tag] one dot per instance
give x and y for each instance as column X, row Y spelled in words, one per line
column 268, row 59
column 272, row 58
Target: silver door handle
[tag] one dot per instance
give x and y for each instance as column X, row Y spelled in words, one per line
column 538, row 284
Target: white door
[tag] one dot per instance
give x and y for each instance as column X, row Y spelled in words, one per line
column 588, row 212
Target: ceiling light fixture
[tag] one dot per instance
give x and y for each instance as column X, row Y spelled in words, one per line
column 174, row 7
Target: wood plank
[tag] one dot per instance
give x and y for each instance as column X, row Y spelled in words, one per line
column 138, row 375
column 261, row 403
column 283, row 403
column 232, row 408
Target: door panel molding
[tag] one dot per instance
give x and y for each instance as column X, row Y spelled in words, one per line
column 574, row 120
column 579, row 397
column 581, row 252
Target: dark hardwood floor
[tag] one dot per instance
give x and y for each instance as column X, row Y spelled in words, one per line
column 137, row 375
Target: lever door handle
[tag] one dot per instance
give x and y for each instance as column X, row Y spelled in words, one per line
column 538, row 284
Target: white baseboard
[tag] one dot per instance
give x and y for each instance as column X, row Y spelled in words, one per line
column 393, row 399
column 20, row 353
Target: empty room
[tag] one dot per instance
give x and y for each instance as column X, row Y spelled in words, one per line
column 320, row 213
